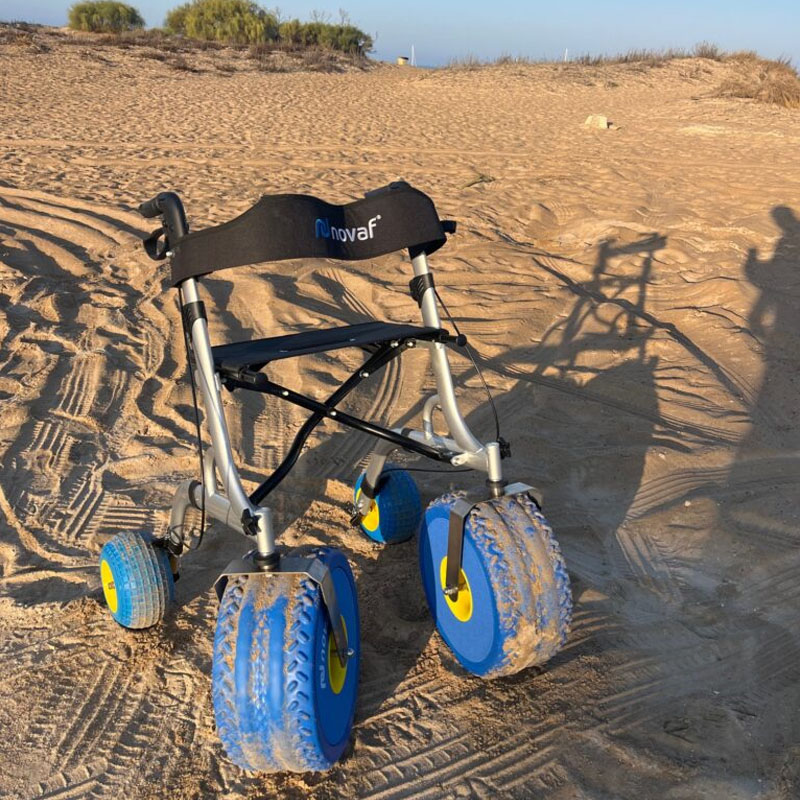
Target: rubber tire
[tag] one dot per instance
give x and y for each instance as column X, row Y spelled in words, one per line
column 398, row 504
column 142, row 579
column 274, row 706
column 520, row 592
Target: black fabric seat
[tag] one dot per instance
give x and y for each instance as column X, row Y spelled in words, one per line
column 255, row 354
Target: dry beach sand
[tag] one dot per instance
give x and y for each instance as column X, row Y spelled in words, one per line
column 635, row 297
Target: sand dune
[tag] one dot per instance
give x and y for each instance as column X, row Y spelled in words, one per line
column 634, row 295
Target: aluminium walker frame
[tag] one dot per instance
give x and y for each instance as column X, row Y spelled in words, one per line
column 220, row 492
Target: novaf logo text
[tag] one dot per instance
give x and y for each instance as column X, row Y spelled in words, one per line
column 324, row 230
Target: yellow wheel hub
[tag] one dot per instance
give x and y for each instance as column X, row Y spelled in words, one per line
column 462, row 606
column 336, row 672
column 372, row 518
column 109, row 590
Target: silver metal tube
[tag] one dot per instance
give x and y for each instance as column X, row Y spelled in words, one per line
column 180, row 504
column 230, row 508
column 209, row 473
column 430, row 313
column 431, row 404
column 215, row 416
column 265, row 537
column 377, row 460
column 441, row 367
column 495, row 470
column 219, row 507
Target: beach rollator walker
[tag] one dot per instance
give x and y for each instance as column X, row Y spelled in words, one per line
column 287, row 644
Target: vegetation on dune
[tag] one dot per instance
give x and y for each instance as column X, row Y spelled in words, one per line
column 245, row 22
column 773, row 81
column 104, row 16
column 344, row 37
column 760, row 79
column 235, row 21
column 277, row 45
column 175, row 20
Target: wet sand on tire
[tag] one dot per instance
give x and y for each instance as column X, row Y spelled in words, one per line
column 634, row 297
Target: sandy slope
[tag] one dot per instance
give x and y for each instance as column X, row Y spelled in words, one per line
column 635, row 297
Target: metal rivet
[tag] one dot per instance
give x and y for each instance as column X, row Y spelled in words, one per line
column 285, row 393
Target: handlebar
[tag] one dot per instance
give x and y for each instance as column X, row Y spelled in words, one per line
column 149, row 208
column 169, row 207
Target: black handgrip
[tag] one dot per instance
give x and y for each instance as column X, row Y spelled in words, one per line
column 168, row 206
column 150, row 208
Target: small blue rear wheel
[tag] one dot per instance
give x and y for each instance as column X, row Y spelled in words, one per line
column 514, row 606
column 395, row 513
column 282, row 699
column 137, row 579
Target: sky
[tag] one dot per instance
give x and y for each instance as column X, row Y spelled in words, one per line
column 447, row 29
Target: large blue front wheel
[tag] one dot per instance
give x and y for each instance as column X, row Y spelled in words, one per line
column 282, row 699
column 514, row 605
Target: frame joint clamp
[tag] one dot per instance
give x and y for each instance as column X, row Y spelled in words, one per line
column 419, row 285
column 193, row 311
column 249, row 523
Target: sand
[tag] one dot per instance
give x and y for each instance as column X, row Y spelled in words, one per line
column 634, row 296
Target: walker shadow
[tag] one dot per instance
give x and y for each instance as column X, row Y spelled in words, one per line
column 569, row 408
column 728, row 609
column 749, row 598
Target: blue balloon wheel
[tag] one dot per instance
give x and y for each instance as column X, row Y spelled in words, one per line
column 396, row 511
column 282, row 700
column 137, row 579
column 514, row 606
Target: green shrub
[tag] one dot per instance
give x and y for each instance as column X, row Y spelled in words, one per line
column 104, row 16
column 346, row 38
column 235, row 21
column 175, row 21
column 245, row 22
column 350, row 39
column 291, row 32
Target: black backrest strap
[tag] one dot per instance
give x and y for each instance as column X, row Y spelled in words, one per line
column 278, row 227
